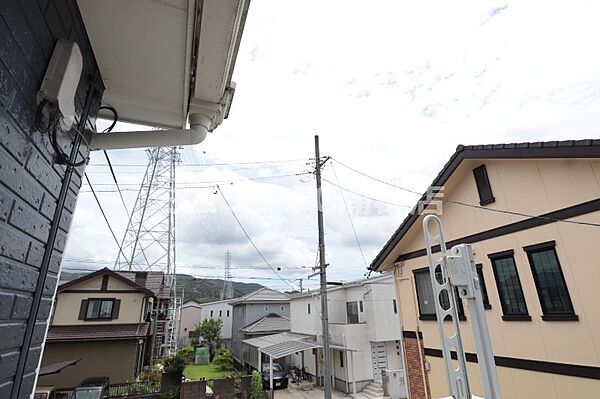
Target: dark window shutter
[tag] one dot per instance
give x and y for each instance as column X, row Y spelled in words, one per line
column 483, row 185
column 115, row 311
column 83, row 309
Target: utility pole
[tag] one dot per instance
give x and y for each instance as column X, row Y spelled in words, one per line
column 322, row 269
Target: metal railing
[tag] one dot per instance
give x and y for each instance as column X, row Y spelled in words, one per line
column 116, row 391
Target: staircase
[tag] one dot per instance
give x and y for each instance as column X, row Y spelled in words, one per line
column 372, row 391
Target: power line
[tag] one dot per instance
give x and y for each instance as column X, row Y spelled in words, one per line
column 362, row 254
column 127, row 165
column 250, row 239
column 116, row 183
column 104, row 215
column 365, row 196
column 220, row 181
column 504, row 211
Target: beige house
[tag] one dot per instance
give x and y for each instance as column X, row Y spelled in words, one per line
column 532, row 214
column 100, row 319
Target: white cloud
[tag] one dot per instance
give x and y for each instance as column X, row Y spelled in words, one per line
column 391, row 88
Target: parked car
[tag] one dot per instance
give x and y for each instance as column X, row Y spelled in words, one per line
column 280, row 377
column 93, row 388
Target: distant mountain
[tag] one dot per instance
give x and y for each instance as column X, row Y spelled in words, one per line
column 202, row 290
column 208, row 290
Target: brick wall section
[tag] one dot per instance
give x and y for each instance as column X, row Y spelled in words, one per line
column 415, row 369
column 37, row 197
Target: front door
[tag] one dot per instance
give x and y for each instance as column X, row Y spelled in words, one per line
column 379, row 358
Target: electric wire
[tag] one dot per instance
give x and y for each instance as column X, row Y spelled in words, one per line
column 250, row 239
column 474, row 206
column 108, row 130
column 365, row 196
column 362, row 254
column 104, row 215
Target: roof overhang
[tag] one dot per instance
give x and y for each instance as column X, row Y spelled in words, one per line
column 568, row 149
column 56, row 368
column 287, row 343
column 162, row 59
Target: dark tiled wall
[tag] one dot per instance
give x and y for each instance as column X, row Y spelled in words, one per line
column 37, row 196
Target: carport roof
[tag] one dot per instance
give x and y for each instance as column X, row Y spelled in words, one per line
column 286, row 343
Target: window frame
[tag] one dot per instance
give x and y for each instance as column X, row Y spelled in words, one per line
column 348, row 304
column 569, row 315
column 433, row 316
column 308, row 308
column 101, row 300
column 482, row 182
column 509, row 316
column 395, row 305
column 483, row 286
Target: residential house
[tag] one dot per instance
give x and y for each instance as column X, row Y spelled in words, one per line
column 100, row 319
column 190, row 316
column 363, row 319
column 261, row 312
column 220, row 310
column 531, row 212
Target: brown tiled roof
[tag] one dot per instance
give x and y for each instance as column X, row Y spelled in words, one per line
column 56, row 367
column 154, row 282
column 118, row 275
column 98, row 332
column 589, row 148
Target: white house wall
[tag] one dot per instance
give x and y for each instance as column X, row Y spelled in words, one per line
column 220, row 310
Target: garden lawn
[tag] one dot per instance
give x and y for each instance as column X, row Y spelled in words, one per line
column 205, row 371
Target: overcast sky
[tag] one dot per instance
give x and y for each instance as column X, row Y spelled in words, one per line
column 391, row 87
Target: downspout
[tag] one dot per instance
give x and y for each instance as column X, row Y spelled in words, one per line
column 199, row 126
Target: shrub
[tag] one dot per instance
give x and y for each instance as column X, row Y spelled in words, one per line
column 174, row 364
column 257, row 387
column 223, row 360
column 187, row 352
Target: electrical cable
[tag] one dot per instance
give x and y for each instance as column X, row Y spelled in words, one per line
column 250, row 239
column 51, row 129
column 108, row 130
column 365, row 196
column 503, row 211
column 362, row 254
column 104, row 214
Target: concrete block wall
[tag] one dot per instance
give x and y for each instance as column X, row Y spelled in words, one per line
column 37, row 196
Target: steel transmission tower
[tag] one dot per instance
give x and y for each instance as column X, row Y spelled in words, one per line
column 227, row 292
column 149, row 242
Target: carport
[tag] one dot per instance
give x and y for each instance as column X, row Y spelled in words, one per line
column 277, row 346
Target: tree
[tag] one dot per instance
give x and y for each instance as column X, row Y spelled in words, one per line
column 223, row 360
column 210, row 331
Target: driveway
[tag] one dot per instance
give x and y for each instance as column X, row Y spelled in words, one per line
column 307, row 393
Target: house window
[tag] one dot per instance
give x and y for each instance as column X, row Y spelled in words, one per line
column 550, row 282
column 352, row 312
column 341, row 359
column 360, row 305
column 395, row 306
column 308, row 308
column 483, row 185
column 104, row 285
column 484, row 293
column 99, row 309
column 228, row 313
column 426, row 299
column 282, row 308
column 211, row 313
column 509, row 286
column 220, row 313
column 266, row 309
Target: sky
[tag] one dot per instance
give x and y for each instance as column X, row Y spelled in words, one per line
column 391, row 88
